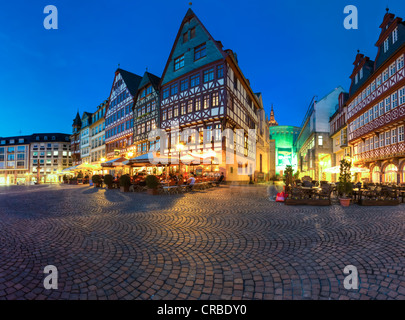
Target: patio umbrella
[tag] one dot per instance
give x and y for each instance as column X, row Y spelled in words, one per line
column 114, row 162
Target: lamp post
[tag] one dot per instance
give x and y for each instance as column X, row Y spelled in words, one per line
column 38, row 173
column 179, row 148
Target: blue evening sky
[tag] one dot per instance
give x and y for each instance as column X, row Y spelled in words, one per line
column 289, row 50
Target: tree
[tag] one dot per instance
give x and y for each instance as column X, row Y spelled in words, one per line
column 288, row 175
column 345, row 186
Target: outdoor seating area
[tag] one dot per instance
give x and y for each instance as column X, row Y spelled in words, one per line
column 322, row 193
column 172, row 184
column 307, row 193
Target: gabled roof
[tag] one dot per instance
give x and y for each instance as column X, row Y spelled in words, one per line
column 187, row 18
column 149, row 78
column 88, row 114
column 77, row 121
column 131, row 80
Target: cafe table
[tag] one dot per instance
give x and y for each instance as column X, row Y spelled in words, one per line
column 309, row 191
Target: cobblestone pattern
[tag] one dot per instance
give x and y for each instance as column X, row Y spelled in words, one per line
column 222, row 243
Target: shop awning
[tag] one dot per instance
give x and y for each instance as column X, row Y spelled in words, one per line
column 114, row 162
column 70, row 169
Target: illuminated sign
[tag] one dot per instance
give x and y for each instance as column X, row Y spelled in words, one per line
column 284, row 156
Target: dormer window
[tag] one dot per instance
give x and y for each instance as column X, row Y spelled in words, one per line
column 356, row 78
column 386, row 45
column 395, row 35
column 361, row 73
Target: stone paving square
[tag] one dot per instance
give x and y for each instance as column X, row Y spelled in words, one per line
column 226, row 243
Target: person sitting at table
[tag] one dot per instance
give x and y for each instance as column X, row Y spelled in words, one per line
column 220, row 179
column 190, row 182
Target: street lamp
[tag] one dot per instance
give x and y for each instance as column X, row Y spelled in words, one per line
column 180, row 146
column 38, row 173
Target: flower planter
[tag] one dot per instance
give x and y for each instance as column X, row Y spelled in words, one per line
column 345, row 202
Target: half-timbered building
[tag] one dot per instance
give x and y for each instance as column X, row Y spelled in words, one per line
column 146, row 112
column 203, row 88
column 119, row 117
column 376, row 106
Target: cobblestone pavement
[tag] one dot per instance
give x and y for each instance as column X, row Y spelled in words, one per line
column 222, row 243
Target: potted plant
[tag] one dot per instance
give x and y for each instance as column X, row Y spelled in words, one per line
column 108, row 180
column 152, row 182
column 125, row 183
column 288, row 177
column 345, row 187
column 96, row 180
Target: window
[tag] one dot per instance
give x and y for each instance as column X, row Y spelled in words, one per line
column 183, row 84
column 370, row 115
column 197, row 104
column 366, row 117
column 386, row 45
column 400, row 63
column 192, row 33
column 209, row 75
column 401, row 134
column 165, row 92
column 381, row 108
column 392, row 69
column 375, row 111
column 190, row 106
column 361, row 73
column 185, row 37
column 375, row 142
column 372, row 86
column 381, row 140
column 362, row 120
column 220, row 72
column 394, row 100
column 395, row 35
column 320, row 140
column 173, row 89
column 356, row 78
column 200, row 52
column 206, row 102
column 385, row 75
column 393, row 136
column 378, row 81
column 401, row 95
column 195, row 80
column 176, row 111
column 387, row 104
column 179, row 63
column 387, row 138
column 183, row 108
column 215, row 99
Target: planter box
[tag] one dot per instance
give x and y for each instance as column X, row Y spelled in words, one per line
column 307, row 202
column 368, row 202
